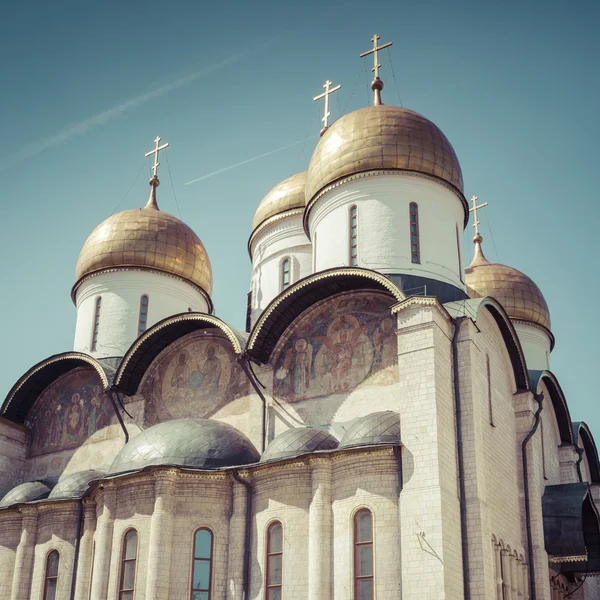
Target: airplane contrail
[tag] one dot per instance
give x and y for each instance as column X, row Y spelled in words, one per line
column 245, row 162
column 82, row 127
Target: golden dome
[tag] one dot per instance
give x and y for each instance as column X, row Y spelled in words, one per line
column 145, row 238
column 518, row 294
column 382, row 137
column 287, row 195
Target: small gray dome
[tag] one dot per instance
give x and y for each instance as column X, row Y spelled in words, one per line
column 300, row 440
column 74, row 485
column 200, row 443
column 377, row 428
column 26, row 492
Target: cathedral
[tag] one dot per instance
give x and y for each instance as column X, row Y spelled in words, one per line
column 386, row 427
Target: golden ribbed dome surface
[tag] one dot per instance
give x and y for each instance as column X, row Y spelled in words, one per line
column 382, row 137
column 147, row 238
column 519, row 295
column 287, row 195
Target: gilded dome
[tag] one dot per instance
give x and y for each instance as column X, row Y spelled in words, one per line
column 519, row 295
column 287, row 195
column 382, row 137
column 146, row 238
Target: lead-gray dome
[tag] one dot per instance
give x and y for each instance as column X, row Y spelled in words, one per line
column 74, row 485
column 300, row 440
column 26, row 492
column 200, row 443
column 376, row 428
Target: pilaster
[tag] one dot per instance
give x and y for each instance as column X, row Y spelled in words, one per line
column 568, row 458
column 104, row 534
column 25, row 554
column 86, row 545
column 237, row 531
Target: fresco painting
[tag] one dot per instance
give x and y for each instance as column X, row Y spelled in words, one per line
column 337, row 346
column 68, row 412
column 194, row 378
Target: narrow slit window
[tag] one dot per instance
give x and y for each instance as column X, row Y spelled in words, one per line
column 128, row 563
column 460, row 265
column 285, row 273
column 544, row 475
column 489, row 391
column 96, row 323
column 143, row 320
column 202, row 569
column 353, row 236
column 274, row 561
column 51, row 577
column 415, row 245
column 363, row 556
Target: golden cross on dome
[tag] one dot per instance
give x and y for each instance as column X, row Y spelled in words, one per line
column 325, row 95
column 474, row 209
column 157, row 149
column 374, row 51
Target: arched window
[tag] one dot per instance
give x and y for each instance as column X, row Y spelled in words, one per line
column 128, row 560
column 353, row 236
column 415, row 250
column 285, row 273
column 96, row 323
column 202, row 567
column 143, row 320
column 51, row 577
column 363, row 555
column 274, row 561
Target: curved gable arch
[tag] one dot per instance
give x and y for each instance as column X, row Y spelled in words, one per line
column 472, row 307
column 290, row 304
column 589, row 446
column 559, row 402
column 153, row 341
column 28, row 388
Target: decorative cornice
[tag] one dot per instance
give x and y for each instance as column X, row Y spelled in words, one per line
column 397, row 172
column 267, row 222
column 566, row 559
column 540, row 327
column 413, row 301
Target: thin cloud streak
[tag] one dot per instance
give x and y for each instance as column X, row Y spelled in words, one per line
column 245, row 162
column 82, row 127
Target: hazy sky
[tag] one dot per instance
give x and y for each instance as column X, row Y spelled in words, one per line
column 86, row 86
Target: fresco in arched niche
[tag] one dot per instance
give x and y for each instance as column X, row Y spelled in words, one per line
column 336, row 346
column 193, row 378
column 68, row 412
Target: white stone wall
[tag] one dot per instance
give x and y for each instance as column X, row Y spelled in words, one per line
column 10, row 535
column 383, row 203
column 13, row 449
column 535, row 343
column 121, row 292
column 283, row 238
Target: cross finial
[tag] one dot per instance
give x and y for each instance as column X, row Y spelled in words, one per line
column 154, row 181
column 476, row 221
column 377, row 84
column 325, row 95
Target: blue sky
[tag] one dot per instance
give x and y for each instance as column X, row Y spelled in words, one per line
column 86, row 86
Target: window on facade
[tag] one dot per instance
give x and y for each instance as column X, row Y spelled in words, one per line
column 460, row 271
column 96, row 323
column 353, row 236
column 128, row 560
column 143, row 320
column 543, row 449
column 489, row 391
column 363, row 555
column 202, row 569
column 274, row 561
column 415, row 249
column 51, row 577
column 285, row 273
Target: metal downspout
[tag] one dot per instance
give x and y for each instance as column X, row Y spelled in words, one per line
column 243, row 360
column 461, row 462
column 76, row 549
column 539, row 398
column 119, row 417
column 247, row 535
column 578, row 463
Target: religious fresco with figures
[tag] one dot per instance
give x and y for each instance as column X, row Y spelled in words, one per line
column 336, row 346
column 193, row 378
column 69, row 412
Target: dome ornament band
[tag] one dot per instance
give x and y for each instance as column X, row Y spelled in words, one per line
column 326, row 95
column 154, row 181
column 377, row 84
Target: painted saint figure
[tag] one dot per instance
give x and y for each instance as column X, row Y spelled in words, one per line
column 74, row 417
column 178, row 377
column 207, row 376
column 296, row 369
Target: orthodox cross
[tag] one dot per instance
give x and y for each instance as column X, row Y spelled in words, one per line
column 374, row 51
column 474, row 211
column 157, row 149
column 325, row 95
